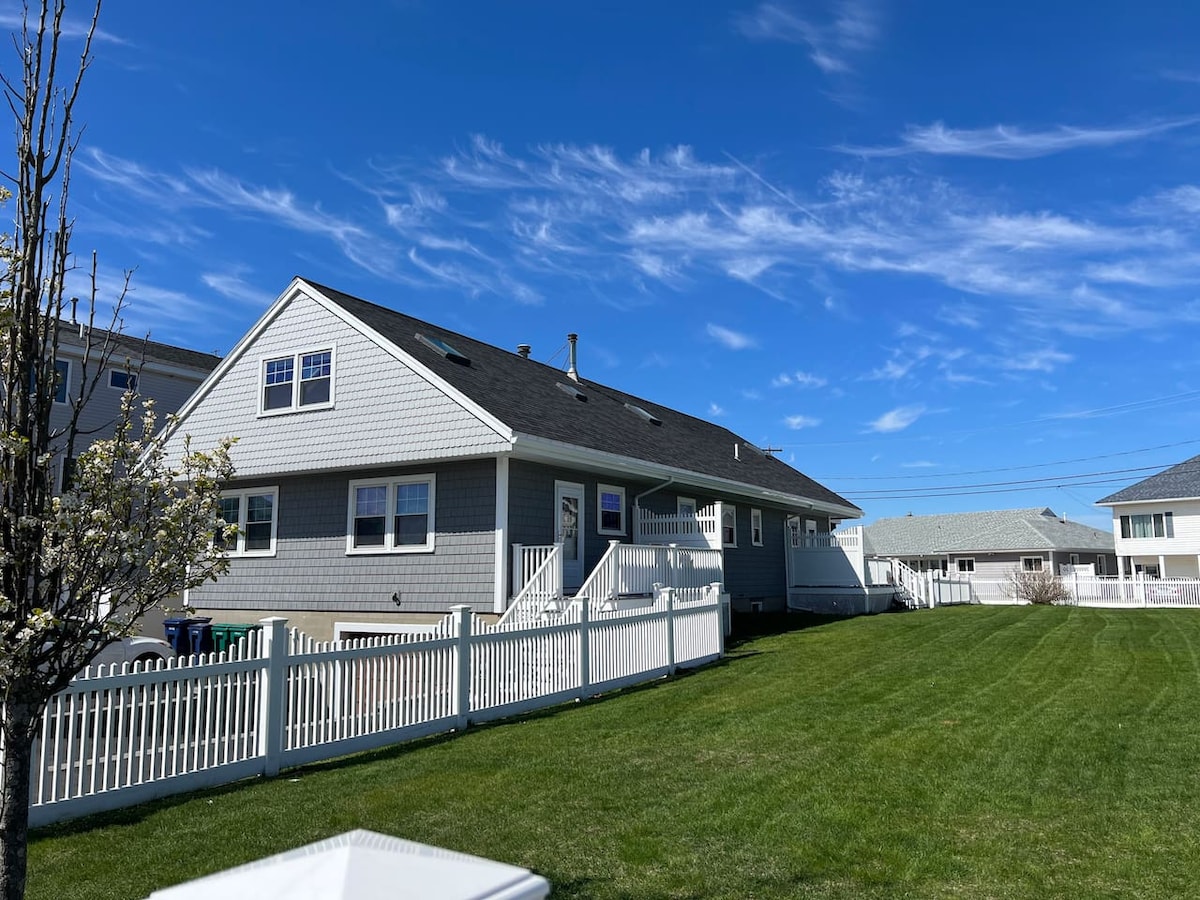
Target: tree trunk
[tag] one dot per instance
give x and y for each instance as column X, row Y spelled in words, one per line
column 19, row 723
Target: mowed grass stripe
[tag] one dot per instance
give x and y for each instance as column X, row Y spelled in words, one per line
column 961, row 752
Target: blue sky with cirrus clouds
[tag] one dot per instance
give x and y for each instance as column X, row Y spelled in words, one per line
column 942, row 257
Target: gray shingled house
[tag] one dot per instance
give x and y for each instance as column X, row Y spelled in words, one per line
column 162, row 372
column 1156, row 523
column 990, row 544
column 388, row 468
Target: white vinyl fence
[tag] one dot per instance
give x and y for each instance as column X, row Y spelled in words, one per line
column 1081, row 590
column 121, row 735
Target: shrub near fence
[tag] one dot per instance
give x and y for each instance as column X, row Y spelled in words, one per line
column 121, row 736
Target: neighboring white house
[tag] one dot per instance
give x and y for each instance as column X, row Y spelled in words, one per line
column 1156, row 523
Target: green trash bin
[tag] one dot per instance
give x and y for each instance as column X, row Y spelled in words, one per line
column 226, row 634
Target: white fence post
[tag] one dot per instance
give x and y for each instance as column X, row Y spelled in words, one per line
column 272, row 682
column 724, row 615
column 460, row 618
column 670, row 591
column 585, row 646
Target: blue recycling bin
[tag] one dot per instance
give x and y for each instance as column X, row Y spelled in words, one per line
column 177, row 632
column 200, row 636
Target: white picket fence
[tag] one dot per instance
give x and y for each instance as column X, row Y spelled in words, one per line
column 1082, row 590
column 123, row 735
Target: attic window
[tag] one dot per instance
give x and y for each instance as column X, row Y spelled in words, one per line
column 572, row 390
column 644, row 414
column 437, row 345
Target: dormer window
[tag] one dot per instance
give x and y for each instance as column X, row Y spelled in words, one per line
column 283, row 391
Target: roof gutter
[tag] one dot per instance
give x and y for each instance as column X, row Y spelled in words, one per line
column 526, row 446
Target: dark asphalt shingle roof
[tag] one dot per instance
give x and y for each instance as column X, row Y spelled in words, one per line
column 1036, row 528
column 523, row 394
column 1175, row 483
column 128, row 346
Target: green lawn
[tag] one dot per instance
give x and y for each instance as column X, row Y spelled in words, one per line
column 965, row 752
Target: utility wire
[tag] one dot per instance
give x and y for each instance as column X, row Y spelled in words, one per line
column 1062, row 462
column 1051, row 479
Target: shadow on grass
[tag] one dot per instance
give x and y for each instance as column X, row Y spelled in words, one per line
column 749, row 626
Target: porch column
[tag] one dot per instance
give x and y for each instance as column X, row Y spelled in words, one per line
column 1121, row 566
column 1053, row 571
column 1162, row 567
column 500, row 588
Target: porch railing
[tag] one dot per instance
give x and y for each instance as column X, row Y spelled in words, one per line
column 542, row 589
column 703, row 529
column 633, row 570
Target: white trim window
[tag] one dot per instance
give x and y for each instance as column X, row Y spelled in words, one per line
column 756, row 530
column 391, row 515
column 299, row 381
column 1148, row 525
column 122, row 380
column 1032, row 563
column 255, row 512
column 965, row 565
column 728, row 526
column 610, row 509
column 685, row 507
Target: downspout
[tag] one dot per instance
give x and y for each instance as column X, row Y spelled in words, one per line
column 636, row 505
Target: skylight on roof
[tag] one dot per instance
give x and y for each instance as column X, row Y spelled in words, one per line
column 437, row 345
column 572, row 390
column 644, row 414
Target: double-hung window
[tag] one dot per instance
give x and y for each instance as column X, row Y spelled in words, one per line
column 1031, row 563
column 393, row 515
column 610, row 501
column 965, row 564
column 122, row 380
column 728, row 526
column 300, row 381
column 1148, row 525
column 756, row 530
column 255, row 512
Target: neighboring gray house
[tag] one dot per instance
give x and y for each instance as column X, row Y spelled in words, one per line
column 388, row 468
column 991, row 544
column 162, row 372
column 1156, row 523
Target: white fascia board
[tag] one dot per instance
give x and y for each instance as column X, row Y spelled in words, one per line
column 537, row 449
column 1144, row 502
column 272, row 311
column 504, row 431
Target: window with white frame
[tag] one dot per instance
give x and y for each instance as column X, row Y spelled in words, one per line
column 965, row 564
column 1031, row 563
column 391, row 515
column 255, row 513
column 610, row 502
column 1148, row 525
column 300, row 381
column 1101, row 564
column 685, row 507
column 728, row 526
column 756, row 531
column 122, row 380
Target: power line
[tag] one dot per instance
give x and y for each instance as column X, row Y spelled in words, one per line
column 1051, row 480
column 1063, row 462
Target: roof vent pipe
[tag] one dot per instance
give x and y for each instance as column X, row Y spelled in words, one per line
column 572, row 369
column 735, row 452
column 523, row 350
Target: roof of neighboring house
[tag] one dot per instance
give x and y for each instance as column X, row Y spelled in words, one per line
column 127, row 346
column 1035, row 528
column 524, row 395
column 1175, row 483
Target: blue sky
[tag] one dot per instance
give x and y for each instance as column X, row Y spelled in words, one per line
column 922, row 248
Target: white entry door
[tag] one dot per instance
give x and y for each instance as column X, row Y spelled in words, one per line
column 568, row 530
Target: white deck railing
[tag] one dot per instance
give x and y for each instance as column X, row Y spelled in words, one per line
column 633, row 570
column 122, row 736
column 700, row 530
column 826, row 540
column 538, row 570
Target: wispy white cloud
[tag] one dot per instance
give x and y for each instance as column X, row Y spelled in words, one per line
column 919, row 464
column 1014, row 142
column 850, row 28
column 71, row 28
column 896, row 419
column 727, row 337
column 715, row 410
column 799, row 422
column 1041, row 359
column 798, row 379
column 233, row 286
